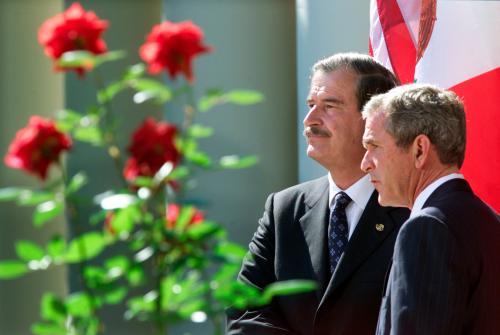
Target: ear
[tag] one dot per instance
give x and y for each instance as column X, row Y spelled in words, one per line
column 420, row 150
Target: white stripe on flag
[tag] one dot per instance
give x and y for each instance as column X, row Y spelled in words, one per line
column 464, row 44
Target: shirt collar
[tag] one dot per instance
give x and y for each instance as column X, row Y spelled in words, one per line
column 359, row 192
column 425, row 194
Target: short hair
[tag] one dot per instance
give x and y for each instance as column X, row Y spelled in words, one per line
column 415, row 109
column 373, row 77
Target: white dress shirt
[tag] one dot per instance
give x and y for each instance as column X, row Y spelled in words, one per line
column 360, row 192
column 426, row 193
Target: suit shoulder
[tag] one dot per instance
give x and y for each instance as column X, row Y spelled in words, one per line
column 308, row 191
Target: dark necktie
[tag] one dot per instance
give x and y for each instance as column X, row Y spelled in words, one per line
column 338, row 231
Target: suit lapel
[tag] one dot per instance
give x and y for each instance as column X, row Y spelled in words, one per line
column 365, row 239
column 313, row 224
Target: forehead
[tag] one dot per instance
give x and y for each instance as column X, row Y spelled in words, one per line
column 374, row 126
column 340, row 81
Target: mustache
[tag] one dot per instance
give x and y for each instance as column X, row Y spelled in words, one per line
column 316, row 131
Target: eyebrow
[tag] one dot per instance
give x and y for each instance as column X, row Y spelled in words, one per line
column 328, row 99
column 368, row 141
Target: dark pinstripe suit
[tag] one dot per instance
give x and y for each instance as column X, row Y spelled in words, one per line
column 445, row 276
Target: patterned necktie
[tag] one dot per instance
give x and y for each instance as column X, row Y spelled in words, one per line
column 338, row 231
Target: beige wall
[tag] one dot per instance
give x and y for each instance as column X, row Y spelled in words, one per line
column 27, row 86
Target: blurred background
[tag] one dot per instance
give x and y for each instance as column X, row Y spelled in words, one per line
column 265, row 45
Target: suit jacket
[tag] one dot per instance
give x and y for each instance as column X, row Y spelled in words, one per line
column 445, row 276
column 291, row 243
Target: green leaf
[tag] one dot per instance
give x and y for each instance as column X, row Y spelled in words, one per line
column 230, row 251
column 125, row 219
column 237, row 97
column 48, row 329
column 52, row 308
column 109, row 56
column 236, row 162
column 86, row 59
column 149, row 89
column 10, row 193
column 136, row 276
column 79, row 304
column 135, row 71
column 210, row 100
column 227, row 272
column 12, row 269
column 29, row 251
column 67, row 120
column 80, row 58
column 203, row 230
column 46, row 211
column 238, row 294
column 30, row 198
column 117, row 266
column 244, row 97
column 77, row 182
column 142, row 181
column 184, row 217
column 199, row 158
column 116, row 295
column 56, row 247
column 286, row 288
column 85, row 247
column 200, row 131
column 89, row 134
column 179, row 172
column 110, row 91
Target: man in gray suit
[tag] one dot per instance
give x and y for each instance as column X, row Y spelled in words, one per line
column 445, row 274
column 331, row 229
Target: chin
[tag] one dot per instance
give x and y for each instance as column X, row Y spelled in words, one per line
column 387, row 202
column 383, row 201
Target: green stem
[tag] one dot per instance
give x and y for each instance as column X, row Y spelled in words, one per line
column 71, row 213
column 218, row 324
column 160, row 325
column 108, row 127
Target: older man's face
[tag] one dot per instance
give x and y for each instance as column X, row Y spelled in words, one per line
column 334, row 126
column 390, row 167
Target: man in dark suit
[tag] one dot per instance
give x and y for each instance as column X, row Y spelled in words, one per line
column 331, row 229
column 445, row 275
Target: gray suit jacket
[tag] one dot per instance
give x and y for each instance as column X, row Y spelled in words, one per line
column 291, row 243
column 445, row 275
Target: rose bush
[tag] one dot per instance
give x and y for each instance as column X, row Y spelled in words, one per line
column 145, row 246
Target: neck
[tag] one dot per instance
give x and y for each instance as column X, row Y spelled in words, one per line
column 427, row 177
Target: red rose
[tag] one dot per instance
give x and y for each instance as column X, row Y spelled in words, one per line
column 173, row 211
column 173, row 46
column 36, row 147
column 74, row 29
column 152, row 146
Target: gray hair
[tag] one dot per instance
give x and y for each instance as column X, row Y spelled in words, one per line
column 416, row 109
column 373, row 77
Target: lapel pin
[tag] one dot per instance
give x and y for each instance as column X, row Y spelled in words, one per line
column 379, row 227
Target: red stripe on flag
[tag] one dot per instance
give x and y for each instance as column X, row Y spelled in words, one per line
column 402, row 51
column 370, row 48
column 482, row 158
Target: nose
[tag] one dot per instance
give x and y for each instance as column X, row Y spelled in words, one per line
column 367, row 162
column 311, row 118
